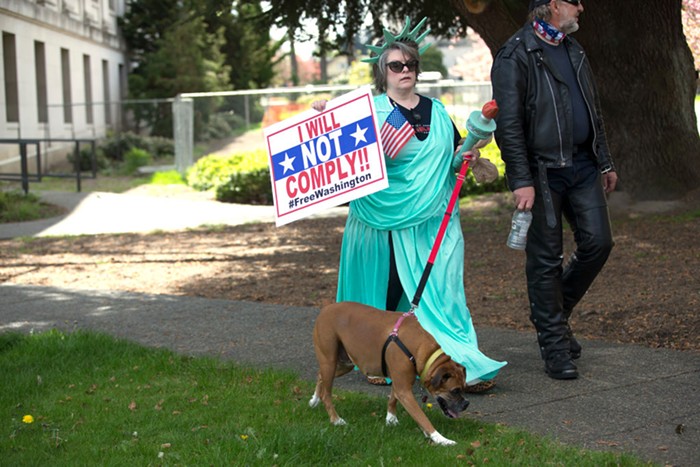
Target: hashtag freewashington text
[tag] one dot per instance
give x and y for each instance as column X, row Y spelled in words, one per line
column 324, row 192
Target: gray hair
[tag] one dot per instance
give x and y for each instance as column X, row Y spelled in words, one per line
column 408, row 48
column 542, row 12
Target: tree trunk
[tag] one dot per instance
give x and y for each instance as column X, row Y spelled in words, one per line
column 645, row 73
column 294, row 65
column 323, row 65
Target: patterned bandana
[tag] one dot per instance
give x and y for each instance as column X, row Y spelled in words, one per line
column 548, row 31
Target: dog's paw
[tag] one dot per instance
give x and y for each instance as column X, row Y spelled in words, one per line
column 391, row 419
column 340, row 422
column 313, row 402
column 437, row 438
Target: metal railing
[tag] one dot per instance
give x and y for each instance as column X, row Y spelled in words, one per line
column 25, row 175
column 199, row 123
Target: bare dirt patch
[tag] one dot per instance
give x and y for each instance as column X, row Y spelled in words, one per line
column 648, row 293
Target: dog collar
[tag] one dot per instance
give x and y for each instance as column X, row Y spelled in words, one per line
column 430, row 361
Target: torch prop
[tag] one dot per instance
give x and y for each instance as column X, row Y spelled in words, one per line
column 480, row 125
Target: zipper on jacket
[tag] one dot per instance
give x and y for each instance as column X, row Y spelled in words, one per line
column 562, row 163
column 588, row 106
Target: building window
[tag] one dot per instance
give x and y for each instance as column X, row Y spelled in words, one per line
column 40, row 70
column 105, row 87
column 122, row 83
column 9, row 55
column 87, row 77
column 67, row 97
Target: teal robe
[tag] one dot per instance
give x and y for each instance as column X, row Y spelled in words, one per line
column 421, row 181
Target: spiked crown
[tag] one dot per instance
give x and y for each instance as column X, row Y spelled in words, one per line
column 406, row 34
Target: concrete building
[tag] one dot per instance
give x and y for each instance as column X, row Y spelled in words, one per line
column 63, row 73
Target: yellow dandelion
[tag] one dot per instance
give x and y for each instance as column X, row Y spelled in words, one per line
column 244, row 437
column 429, row 405
column 28, row 419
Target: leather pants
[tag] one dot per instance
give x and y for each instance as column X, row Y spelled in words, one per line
column 553, row 290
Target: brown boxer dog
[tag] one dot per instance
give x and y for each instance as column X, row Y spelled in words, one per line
column 349, row 334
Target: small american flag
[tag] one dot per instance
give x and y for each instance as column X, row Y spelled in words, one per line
column 395, row 133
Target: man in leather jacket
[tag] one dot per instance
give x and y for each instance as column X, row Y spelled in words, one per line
column 552, row 140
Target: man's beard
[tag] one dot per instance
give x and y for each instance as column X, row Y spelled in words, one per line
column 569, row 27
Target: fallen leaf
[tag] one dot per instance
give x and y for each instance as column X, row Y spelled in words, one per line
column 476, row 444
column 607, row 443
column 132, row 405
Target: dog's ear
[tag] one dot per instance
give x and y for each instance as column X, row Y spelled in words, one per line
column 443, row 373
column 437, row 372
column 440, row 375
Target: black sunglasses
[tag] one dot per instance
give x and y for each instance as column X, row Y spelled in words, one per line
column 572, row 2
column 397, row 67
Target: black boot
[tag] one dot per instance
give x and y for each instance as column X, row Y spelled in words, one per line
column 574, row 346
column 558, row 365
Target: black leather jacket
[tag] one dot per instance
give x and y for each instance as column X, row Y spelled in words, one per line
column 535, row 117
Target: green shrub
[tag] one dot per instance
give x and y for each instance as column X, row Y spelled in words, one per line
column 134, row 159
column 210, row 171
column 245, row 177
column 251, row 187
column 236, row 122
column 205, row 173
column 15, row 206
column 116, row 146
column 217, row 127
column 171, row 177
column 159, row 146
column 86, row 159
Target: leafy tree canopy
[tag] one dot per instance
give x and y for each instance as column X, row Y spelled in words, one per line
column 342, row 23
column 196, row 45
column 649, row 110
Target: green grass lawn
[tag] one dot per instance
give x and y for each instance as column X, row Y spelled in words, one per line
column 15, row 206
column 87, row 399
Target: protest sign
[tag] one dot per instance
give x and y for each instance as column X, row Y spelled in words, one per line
column 323, row 159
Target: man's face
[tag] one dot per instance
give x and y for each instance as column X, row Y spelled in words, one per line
column 565, row 15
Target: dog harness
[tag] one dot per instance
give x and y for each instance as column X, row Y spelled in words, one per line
column 394, row 337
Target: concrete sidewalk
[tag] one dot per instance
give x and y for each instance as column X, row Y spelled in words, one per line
column 106, row 213
column 628, row 398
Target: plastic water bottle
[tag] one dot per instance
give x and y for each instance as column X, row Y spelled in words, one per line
column 518, row 231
